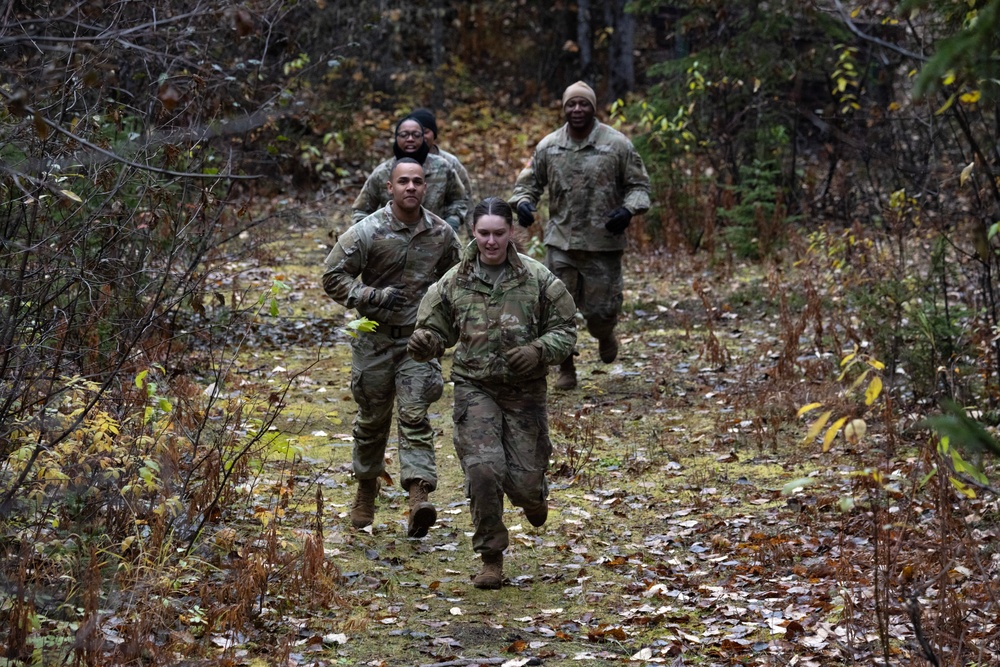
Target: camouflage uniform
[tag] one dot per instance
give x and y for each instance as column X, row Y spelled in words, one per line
column 501, row 426
column 446, row 197
column 381, row 251
column 586, row 181
column 463, row 176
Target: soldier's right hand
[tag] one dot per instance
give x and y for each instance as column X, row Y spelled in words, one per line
column 526, row 358
column 424, row 345
column 525, row 213
column 389, row 298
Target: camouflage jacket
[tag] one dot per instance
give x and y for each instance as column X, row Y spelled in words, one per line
column 380, row 251
column 586, row 181
column 446, row 196
column 486, row 321
column 463, row 176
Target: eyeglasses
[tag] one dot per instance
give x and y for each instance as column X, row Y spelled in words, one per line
column 409, row 135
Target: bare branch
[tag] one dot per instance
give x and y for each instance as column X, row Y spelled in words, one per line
column 846, row 17
column 118, row 158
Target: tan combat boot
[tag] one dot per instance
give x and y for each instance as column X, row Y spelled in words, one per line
column 491, row 576
column 422, row 513
column 567, row 375
column 363, row 510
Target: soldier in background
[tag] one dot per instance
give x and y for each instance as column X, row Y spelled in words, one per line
column 446, row 197
column 429, row 121
column 511, row 318
column 382, row 266
column 597, row 183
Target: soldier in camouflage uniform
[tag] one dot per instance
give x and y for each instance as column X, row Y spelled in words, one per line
column 382, row 266
column 596, row 183
column 446, row 196
column 429, row 121
column 511, row 318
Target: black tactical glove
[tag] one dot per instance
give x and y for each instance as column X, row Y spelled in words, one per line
column 389, row 298
column 618, row 220
column 522, row 360
column 424, row 345
column 525, row 213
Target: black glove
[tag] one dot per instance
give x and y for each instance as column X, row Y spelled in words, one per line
column 424, row 345
column 618, row 220
column 389, row 298
column 525, row 213
column 524, row 359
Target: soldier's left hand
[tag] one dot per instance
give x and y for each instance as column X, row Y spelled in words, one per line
column 526, row 358
column 618, row 220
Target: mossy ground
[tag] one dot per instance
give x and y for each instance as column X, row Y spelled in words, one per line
column 659, row 492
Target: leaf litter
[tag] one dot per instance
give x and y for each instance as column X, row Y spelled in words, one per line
column 669, row 541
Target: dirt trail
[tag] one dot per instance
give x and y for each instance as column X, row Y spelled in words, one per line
column 668, row 539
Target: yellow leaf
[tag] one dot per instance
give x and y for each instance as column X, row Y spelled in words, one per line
column 69, row 194
column 831, row 433
column 841, row 84
column 855, row 12
column 949, row 78
column 894, row 106
column 966, row 172
column 847, row 359
column 962, row 488
column 876, row 364
column 945, row 106
column 970, row 97
column 857, row 382
column 817, row 426
column 807, row 408
column 874, row 389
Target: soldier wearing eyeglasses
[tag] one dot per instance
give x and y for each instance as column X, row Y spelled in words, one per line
column 445, row 195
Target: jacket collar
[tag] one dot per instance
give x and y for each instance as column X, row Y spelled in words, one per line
column 467, row 269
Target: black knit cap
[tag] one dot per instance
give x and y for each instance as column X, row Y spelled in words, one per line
column 426, row 118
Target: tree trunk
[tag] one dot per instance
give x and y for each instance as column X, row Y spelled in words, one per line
column 584, row 39
column 437, row 51
column 621, row 60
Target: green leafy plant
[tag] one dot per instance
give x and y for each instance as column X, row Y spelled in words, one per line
column 361, row 325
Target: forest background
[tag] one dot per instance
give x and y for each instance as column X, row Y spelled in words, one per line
column 823, row 243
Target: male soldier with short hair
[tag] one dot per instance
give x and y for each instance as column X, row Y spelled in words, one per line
column 382, row 266
column 596, row 183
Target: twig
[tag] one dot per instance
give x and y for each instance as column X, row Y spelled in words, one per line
column 913, row 609
column 463, row 662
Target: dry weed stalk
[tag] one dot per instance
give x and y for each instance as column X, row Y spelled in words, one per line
column 712, row 351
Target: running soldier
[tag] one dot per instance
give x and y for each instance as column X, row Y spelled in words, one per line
column 597, row 183
column 446, row 197
column 511, row 318
column 382, row 266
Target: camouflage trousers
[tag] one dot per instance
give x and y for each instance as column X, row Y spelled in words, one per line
column 502, row 441
column 382, row 373
column 594, row 280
